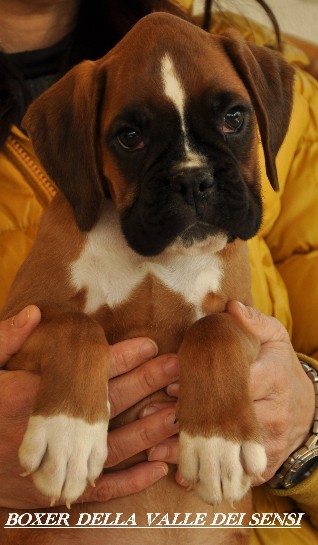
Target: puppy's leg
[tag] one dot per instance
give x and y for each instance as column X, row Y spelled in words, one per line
column 65, row 444
column 220, row 446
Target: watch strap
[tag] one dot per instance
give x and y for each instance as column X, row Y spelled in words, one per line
column 313, row 375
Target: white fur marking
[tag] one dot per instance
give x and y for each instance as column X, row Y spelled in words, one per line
column 214, row 465
column 63, row 454
column 172, row 87
column 174, row 90
column 110, row 270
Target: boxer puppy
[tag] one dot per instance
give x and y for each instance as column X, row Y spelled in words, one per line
column 154, row 149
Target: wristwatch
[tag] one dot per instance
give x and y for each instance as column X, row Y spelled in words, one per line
column 301, row 463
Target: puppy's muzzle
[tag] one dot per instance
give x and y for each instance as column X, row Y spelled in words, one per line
column 194, row 185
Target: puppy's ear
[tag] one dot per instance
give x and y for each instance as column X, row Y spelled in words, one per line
column 269, row 81
column 62, row 125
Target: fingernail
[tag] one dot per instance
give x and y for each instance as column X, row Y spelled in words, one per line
column 159, row 452
column 148, row 349
column 245, row 310
column 181, row 481
column 159, row 471
column 21, row 319
column 25, row 473
column 150, row 409
column 184, row 483
column 171, row 367
column 173, row 389
column 242, row 307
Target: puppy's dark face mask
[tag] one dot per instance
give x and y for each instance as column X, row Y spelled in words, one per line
column 166, row 125
column 191, row 170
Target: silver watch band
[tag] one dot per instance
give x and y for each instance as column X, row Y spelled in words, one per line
column 313, row 375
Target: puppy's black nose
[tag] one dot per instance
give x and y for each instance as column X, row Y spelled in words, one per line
column 194, row 184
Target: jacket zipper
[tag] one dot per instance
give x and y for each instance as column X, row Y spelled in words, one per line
column 41, row 184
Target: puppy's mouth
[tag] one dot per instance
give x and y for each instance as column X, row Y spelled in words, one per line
column 172, row 212
column 199, row 237
column 197, row 232
column 174, row 231
column 197, row 211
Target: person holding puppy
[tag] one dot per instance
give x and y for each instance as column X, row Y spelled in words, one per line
column 284, row 395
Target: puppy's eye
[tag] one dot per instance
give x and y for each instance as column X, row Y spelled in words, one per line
column 130, row 139
column 233, row 120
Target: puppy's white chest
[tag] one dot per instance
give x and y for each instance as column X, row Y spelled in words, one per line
column 109, row 270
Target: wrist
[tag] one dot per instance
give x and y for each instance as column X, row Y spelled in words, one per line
column 301, row 463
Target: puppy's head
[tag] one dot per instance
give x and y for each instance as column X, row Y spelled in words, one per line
column 166, row 126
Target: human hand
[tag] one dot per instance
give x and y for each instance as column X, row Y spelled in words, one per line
column 283, row 395
column 14, row 331
column 130, row 366
column 131, row 382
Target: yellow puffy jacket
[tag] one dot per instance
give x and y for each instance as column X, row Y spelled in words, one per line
column 284, row 255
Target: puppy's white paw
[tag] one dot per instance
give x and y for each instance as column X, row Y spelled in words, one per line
column 63, row 454
column 220, row 469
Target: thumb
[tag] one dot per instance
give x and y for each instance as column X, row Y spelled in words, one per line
column 265, row 328
column 15, row 330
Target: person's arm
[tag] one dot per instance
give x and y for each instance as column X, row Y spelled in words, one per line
column 132, row 363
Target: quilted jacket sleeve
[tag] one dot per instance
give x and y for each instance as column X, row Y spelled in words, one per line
column 293, row 239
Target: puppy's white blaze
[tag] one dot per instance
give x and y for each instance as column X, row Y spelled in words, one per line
column 72, row 452
column 193, row 160
column 175, row 92
column 215, row 465
column 110, row 270
column 172, row 87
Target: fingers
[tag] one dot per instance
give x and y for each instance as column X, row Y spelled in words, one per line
column 126, row 482
column 18, row 392
column 283, row 399
column 14, row 331
column 180, row 480
column 173, row 389
column 129, row 440
column 166, row 451
column 127, row 355
column 265, row 328
column 128, row 389
column 140, row 435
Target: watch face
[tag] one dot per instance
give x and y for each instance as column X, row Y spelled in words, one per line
column 295, row 476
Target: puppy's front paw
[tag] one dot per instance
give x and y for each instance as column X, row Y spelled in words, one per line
column 63, row 454
column 218, row 468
